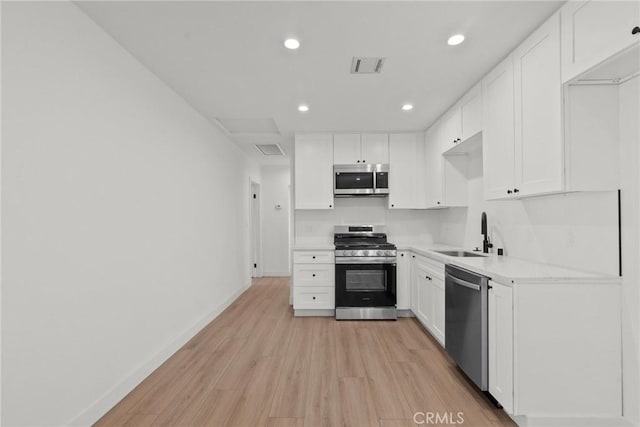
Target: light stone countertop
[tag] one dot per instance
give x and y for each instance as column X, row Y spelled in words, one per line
column 502, row 269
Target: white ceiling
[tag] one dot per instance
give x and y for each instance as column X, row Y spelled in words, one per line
column 228, row 61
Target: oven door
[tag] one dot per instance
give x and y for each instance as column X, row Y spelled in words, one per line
column 353, row 183
column 366, row 285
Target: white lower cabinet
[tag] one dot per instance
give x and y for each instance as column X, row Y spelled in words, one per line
column 427, row 282
column 501, row 344
column 403, row 278
column 313, row 280
column 554, row 350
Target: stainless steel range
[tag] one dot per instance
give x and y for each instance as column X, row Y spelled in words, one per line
column 365, row 273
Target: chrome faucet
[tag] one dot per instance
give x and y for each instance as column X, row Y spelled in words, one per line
column 486, row 244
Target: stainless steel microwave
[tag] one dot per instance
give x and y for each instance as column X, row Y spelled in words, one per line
column 360, row 180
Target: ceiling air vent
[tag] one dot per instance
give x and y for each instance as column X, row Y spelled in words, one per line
column 366, row 65
column 270, row 149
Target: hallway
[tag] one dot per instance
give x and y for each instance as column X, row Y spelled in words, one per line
column 257, row 365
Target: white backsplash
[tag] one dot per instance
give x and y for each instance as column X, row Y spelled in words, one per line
column 578, row 230
column 403, row 226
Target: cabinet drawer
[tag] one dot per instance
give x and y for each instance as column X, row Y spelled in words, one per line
column 313, row 275
column 310, row 297
column 434, row 268
column 313, row 257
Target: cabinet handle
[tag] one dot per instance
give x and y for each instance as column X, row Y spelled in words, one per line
column 330, row 206
column 401, row 254
column 635, row 30
column 393, row 205
column 515, row 190
column 314, row 297
column 364, row 161
column 428, row 277
column 314, row 257
column 509, row 191
column 413, row 256
column 314, row 275
column 438, row 202
column 358, row 161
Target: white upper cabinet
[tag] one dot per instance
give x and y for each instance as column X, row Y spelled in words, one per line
column 433, row 167
column 450, row 129
column 446, row 179
column 522, row 119
column 463, row 120
column 346, row 148
column 471, row 113
column 538, row 112
column 498, row 131
column 402, row 171
column 375, row 148
column 354, row 148
column 313, row 171
column 592, row 31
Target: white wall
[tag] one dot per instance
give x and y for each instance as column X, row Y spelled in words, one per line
column 578, row 230
column 629, row 95
column 275, row 189
column 403, row 226
column 124, row 222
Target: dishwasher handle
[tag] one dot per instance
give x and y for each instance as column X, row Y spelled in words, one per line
column 464, row 283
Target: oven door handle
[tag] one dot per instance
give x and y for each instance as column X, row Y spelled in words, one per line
column 365, row 260
column 464, row 283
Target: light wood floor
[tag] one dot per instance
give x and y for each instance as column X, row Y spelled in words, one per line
column 257, row 365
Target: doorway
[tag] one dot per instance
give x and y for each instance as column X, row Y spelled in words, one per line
column 254, row 231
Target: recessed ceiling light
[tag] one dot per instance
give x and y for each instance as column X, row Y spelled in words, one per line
column 455, row 39
column 407, row 107
column 303, row 108
column 291, row 44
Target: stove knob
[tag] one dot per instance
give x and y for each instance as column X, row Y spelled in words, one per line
column 380, row 253
column 388, row 253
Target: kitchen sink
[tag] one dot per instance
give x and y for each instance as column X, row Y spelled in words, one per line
column 461, row 254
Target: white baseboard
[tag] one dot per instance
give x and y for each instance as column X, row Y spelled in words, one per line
column 276, row 274
column 108, row 400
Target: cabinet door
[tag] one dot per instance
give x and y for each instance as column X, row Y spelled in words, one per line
column 313, row 171
column 414, row 282
column 538, row 112
column 403, row 277
column 375, row 148
column 450, row 129
column 471, row 113
column 425, row 301
column 592, row 31
column 402, row 161
column 501, row 345
column 498, row 131
column 346, row 148
column 437, row 294
column 433, row 167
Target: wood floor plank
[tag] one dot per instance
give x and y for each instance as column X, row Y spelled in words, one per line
column 285, row 422
column 357, row 407
column 291, row 393
column 257, row 365
column 387, row 395
column 185, row 403
column 253, row 407
column 348, row 353
column 323, row 394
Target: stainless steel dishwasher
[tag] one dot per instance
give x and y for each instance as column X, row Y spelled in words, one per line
column 466, row 318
